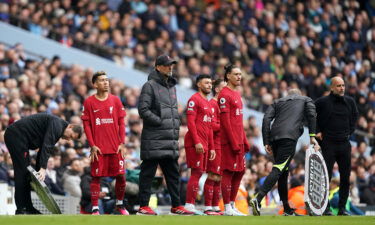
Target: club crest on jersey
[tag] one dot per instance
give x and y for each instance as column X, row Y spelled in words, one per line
column 222, row 100
column 110, row 109
column 198, row 163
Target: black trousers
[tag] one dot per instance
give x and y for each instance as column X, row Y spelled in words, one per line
column 283, row 152
column 340, row 152
column 171, row 173
column 19, row 153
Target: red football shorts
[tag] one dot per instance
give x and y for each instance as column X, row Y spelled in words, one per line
column 108, row 165
column 214, row 166
column 195, row 160
column 232, row 161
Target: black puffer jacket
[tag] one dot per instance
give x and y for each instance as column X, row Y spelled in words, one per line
column 161, row 123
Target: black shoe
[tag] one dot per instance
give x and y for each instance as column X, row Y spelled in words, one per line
column 255, row 205
column 343, row 212
column 28, row 211
column 291, row 212
column 327, row 212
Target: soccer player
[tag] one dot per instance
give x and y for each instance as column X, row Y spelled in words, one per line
column 103, row 119
column 212, row 187
column 199, row 143
column 234, row 143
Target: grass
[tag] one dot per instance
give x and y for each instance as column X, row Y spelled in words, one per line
column 181, row 220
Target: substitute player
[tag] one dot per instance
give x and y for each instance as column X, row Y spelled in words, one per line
column 103, row 119
column 212, row 187
column 199, row 143
column 234, row 143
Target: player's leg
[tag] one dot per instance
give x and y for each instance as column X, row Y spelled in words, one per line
column 120, row 184
column 97, row 171
column 226, row 188
column 236, row 182
column 217, row 194
column 209, row 193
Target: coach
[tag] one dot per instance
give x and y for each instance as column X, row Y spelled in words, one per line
column 159, row 141
column 280, row 139
column 39, row 131
column 336, row 118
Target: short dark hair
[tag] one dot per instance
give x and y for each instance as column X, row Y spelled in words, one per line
column 228, row 69
column 216, row 83
column 201, row 77
column 77, row 129
column 96, row 75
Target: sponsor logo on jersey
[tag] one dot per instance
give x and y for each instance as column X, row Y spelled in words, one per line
column 99, row 121
column 207, row 119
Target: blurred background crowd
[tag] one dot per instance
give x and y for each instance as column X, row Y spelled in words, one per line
column 278, row 45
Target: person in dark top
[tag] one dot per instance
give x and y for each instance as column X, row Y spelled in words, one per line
column 336, row 118
column 280, row 139
column 39, row 131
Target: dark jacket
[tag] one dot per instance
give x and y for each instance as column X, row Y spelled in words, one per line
column 324, row 110
column 41, row 131
column 161, row 123
column 289, row 114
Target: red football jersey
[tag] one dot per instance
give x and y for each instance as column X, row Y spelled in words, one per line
column 199, row 117
column 230, row 102
column 215, row 122
column 104, row 123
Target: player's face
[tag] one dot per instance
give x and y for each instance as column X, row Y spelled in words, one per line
column 220, row 87
column 102, row 83
column 338, row 87
column 235, row 77
column 205, row 86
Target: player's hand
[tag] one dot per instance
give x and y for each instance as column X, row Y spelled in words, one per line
column 212, row 155
column 315, row 144
column 94, row 153
column 41, row 174
column 268, row 149
column 319, row 136
column 199, row 148
column 122, row 149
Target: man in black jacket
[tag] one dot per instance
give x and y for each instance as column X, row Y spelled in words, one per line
column 39, row 131
column 336, row 118
column 159, row 141
column 280, row 140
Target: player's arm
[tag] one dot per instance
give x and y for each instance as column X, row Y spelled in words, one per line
column 310, row 115
column 145, row 104
column 211, row 144
column 121, row 123
column 87, row 123
column 216, row 121
column 191, row 116
column 245, row 142
column 266, row 125
column 225, row 122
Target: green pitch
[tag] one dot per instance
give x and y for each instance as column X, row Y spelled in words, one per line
column 179, row 220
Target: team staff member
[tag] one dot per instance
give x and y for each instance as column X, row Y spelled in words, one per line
column 103, row 119
column 288, row 114
column 234, row 143
column 212, row 184
column 199, row 143
column 159, row 142
column 336, row 118
column 39, row 131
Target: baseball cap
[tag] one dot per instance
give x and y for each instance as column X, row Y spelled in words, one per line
column 164, row 60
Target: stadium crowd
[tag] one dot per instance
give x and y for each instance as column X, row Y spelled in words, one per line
column 277, row 44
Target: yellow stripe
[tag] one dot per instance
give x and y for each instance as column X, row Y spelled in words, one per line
column 281, row 166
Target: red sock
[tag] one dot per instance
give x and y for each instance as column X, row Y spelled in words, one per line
column 236, row 181
column 226, row 186
column 120, row 187
column 208, row 192
column 217, row 192
column 95, row 190
column 193, row 185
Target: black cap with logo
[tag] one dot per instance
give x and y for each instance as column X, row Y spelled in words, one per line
column 164, row 60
